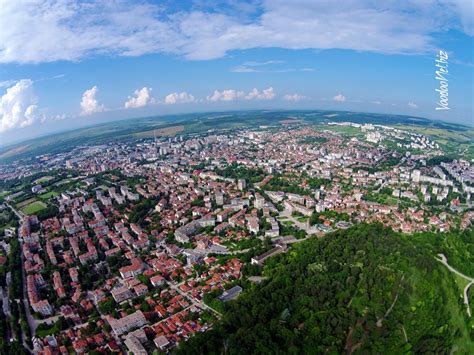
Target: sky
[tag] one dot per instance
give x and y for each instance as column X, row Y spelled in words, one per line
column 67, row 63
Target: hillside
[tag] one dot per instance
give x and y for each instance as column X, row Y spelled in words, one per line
column 362, row 290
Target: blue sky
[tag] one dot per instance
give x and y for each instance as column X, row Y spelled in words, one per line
column 65, row 64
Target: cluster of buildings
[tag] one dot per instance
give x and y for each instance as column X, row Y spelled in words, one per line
column 150, row 229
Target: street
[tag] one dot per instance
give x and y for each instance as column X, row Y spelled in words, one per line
column 444, row 261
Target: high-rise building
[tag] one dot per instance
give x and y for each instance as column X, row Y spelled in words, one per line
column 219, row 198
column 415, row 175
column 259, row 201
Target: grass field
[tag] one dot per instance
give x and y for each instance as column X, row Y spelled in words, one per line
column 43, row 179
column 33, row 207
column 45, row 330
column 48, row 195
column 441, row 134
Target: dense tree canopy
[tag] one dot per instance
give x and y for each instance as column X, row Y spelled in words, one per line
column 241, row 172
column 362, row 290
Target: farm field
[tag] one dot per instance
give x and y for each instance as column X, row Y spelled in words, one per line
column 168, row 131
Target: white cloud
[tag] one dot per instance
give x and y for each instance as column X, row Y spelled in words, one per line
column 340, row 98
column 254, row 67
column 89, row 103
column 18, row 106
column 266, row 94
column 294, row 97
column 459, row 62
column 175, row 98
column 377, row 102
column 7, row 83
column 412, row 105
column 231, row 95
column 270, row 66
column 225, row 95
column 50, row 30
column 59, row 117
column 141, row 98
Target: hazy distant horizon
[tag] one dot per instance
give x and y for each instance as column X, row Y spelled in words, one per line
column 86, row 124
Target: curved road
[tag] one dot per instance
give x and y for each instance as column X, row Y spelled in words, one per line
column 443, row 260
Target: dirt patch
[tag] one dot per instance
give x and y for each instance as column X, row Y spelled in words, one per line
column 167, row 131
column 13, row 151
column 26, row 202
column 288, row 122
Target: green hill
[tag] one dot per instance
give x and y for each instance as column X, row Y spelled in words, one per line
column 362, row 290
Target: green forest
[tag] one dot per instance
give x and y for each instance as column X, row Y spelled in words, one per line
column 366, row 289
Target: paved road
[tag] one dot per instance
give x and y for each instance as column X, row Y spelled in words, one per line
column 443, row 260
column 196, row 302
column 381, row 186
column 228, row 252
column 304, row 226
column 20, row 215
column 466, row 297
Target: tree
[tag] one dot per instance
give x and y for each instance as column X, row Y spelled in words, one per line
column 107, row 306
column 329, row 295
